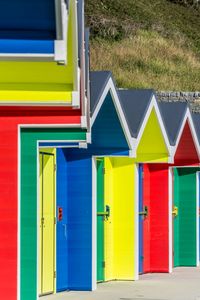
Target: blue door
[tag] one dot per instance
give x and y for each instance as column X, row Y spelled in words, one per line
column 62, row 230
column 141, row 219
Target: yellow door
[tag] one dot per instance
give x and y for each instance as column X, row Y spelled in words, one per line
column 47, row 224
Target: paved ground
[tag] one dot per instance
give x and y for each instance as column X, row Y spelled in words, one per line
column 182, row 284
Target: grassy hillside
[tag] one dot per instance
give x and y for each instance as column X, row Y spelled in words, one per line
column 146, row 43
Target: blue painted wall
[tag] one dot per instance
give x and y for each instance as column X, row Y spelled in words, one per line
column 74, row 234
column 107, row 132
column 27, row 19
column 140, row 219
column 62, row 225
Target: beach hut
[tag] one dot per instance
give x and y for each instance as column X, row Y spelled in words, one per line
column 23, row 126
column 102, row 211
column 42, row 30
column 152, row 147
column 182, row 137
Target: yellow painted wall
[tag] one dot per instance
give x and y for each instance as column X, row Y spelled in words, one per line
column 152, row 146
column 40, row 81
column 120, row 229
column 46, row 257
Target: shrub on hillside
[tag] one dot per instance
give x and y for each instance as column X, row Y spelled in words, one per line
column 192, row 3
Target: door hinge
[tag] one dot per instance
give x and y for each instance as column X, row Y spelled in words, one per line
column 142, row 174
column 55, row 220
column 54, row 274
column 103, row 264
column 55, row 167
column 104, row 171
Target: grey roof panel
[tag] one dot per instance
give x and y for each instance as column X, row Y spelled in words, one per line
column 173, row 114
column 98, row 81
column 135, row 104
column 196, row 120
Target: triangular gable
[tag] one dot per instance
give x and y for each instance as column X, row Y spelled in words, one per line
column 153, row 143
column 152, row 146
column 109, row 129
column 145, row 121
column 187, row 146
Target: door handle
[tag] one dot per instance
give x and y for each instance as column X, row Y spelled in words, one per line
column 106, row 213
column 145, row 212
column 175, row 211
column 65, row 230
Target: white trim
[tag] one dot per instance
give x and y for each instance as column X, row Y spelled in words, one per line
column 76, row 71
column 197, row 203
column 38, row 104
column 60, row 52
column 83, row 122
column 94, row 224
column 110, row 87
column 26, row 57
column 170, row 203
column 154, row 105
column 89, row 138
column 188, row 118
column 136, row 252
column 38, row 126
column 83, row 145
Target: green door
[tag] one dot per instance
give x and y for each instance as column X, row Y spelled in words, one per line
column 100, row 220
column 185, row 217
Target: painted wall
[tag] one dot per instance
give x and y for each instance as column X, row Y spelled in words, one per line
column 120, row 246
column 28, row 209
column 152, row 147
column 156, row 224
column 9, row 120
column 185, row 224
column 41, row 81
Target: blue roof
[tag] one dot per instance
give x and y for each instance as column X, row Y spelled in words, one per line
column 196, row 120
column 173, row 114
column 135, row 104
column 98, row 81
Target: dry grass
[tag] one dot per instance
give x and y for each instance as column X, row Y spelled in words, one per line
column 148, row 60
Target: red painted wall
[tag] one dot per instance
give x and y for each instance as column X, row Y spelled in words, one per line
column 159, row 219
column 9, row 119
column 155, row 230
column 146, row 221
column 186, row 151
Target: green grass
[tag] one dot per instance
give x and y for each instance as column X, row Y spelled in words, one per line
column 146, row 44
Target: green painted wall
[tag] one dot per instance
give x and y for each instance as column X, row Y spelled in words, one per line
column 28, row 210
column 185, row 223
column 100, row 220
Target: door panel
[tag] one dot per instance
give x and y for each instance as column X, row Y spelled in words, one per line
column 47, row 232
column 141, row 219
column 100, row 220
column 61, row 227
column 185, row 223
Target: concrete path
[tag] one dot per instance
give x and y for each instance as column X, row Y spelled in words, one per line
column 182, row 284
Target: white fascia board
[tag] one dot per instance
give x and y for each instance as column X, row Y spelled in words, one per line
column 110, row 87
column 83, row 145
column 37, row 57
column 83, row 122
column 89, row 137
column 154, row 105
column 76, row 93
column 188, row 118
column 60, row 53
